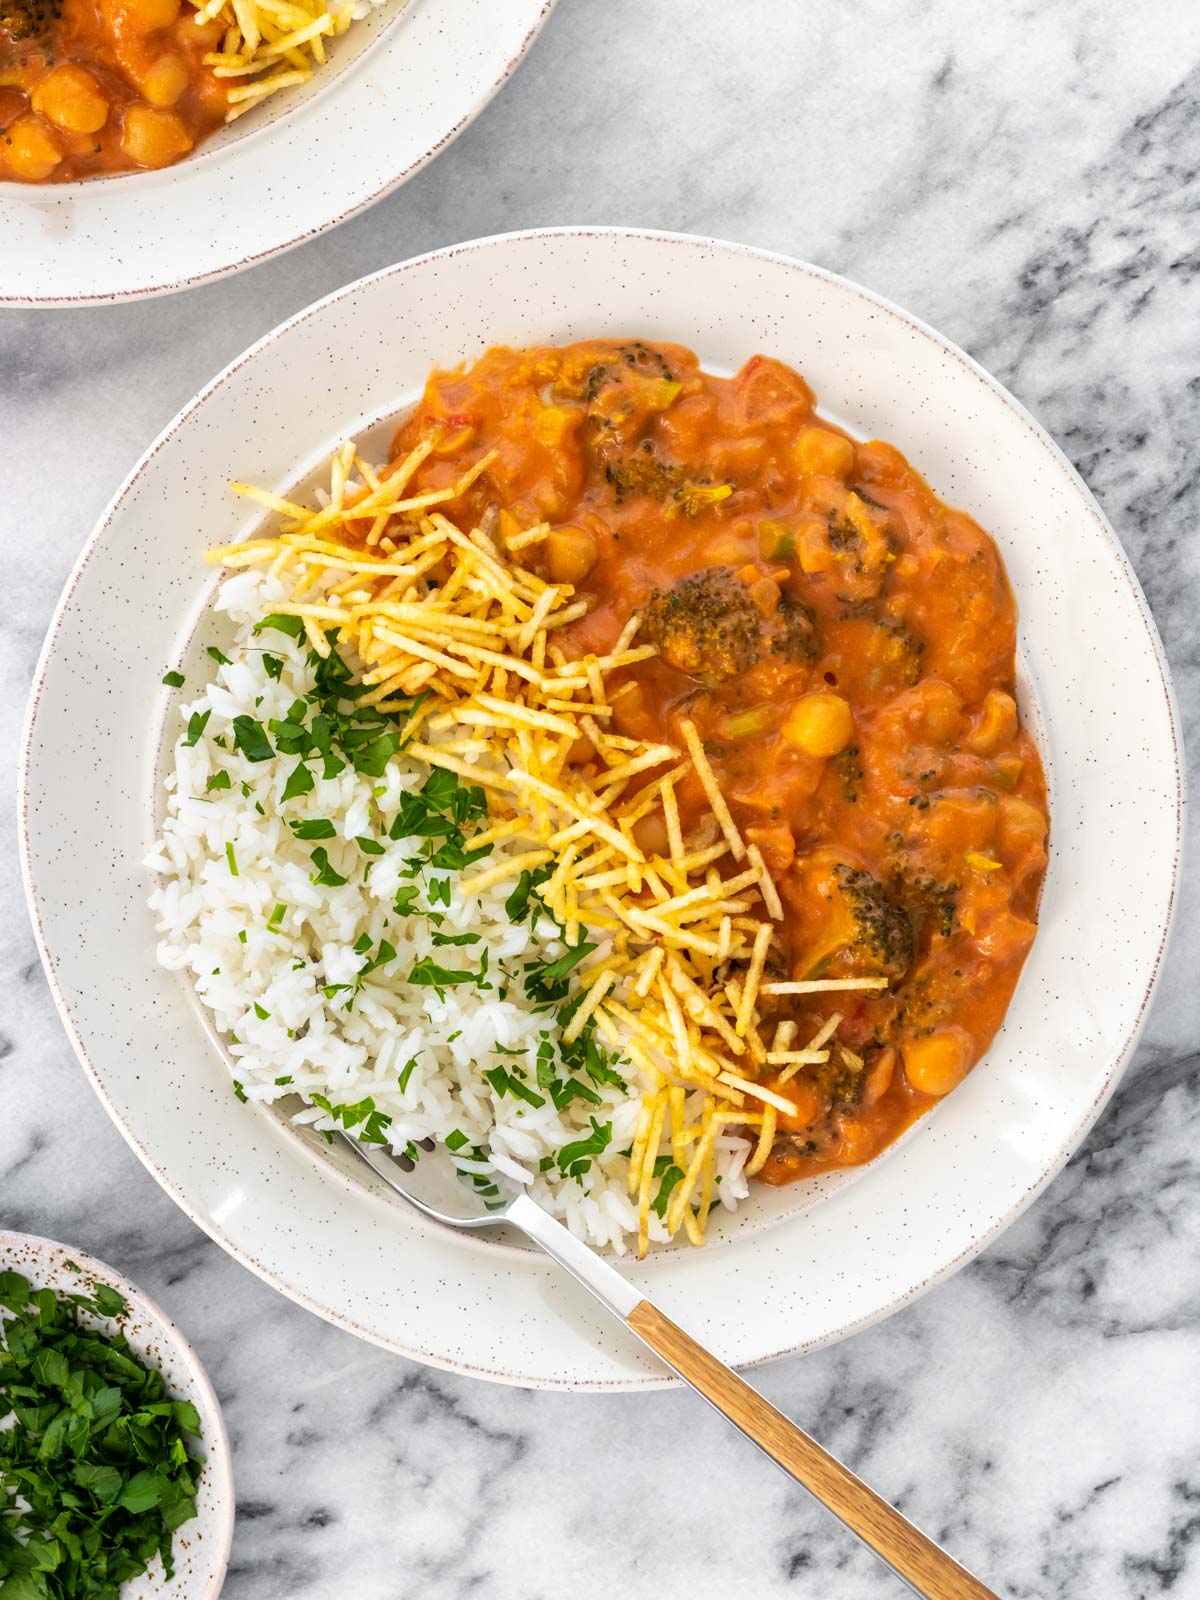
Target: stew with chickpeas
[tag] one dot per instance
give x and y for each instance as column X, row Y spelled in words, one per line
column 845, row 644
column 96, row 86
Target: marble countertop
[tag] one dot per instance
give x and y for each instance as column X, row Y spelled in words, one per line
column 1024, row 177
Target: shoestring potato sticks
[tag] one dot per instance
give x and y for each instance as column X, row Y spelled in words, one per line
column 454, row 621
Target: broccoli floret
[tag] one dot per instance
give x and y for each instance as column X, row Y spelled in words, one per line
column 644, row 472
column 858, row 548
column 849, row 768
column 794, row 632
column 29, row 19
column 905, row 650
column 849, row 923
column 637, row 355
column 880, row 651
column 925, row 899
column 706, row 626
column 881, row 939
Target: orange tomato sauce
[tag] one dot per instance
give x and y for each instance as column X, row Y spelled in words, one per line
column 845, row 644
column 99, row 86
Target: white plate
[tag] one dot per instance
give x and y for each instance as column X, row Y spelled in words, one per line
column 807, row 1264
column 201, row 1547
column 399, row 87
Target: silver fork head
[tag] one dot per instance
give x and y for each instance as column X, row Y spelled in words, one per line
column 432, row 1184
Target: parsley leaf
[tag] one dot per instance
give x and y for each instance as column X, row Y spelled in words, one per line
column 546, row 981
column 426, row 970
column 517, row 904
column 314, row 828
column 385, row 954
column 251, row 740
column 282, row 624
column 576, row 1157
column 373, row 758
column 325, row 873
column 300, row 782
column 406, row 899
column 362, row 1114
column 670, row 1178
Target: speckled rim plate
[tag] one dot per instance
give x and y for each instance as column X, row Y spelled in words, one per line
column 399, row 87
column 809, row 1265
column 201, row 1547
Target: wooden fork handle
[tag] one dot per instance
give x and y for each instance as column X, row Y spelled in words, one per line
column 923, row 1566
column 917, row 1560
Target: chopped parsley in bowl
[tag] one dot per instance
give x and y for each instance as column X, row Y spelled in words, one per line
column 108, row 1431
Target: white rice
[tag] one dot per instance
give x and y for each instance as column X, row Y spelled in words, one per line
column 265, row 985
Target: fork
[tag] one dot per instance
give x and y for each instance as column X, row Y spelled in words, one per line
column 432, row 1185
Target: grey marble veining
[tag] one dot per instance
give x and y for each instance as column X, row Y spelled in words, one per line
column 1025, row 177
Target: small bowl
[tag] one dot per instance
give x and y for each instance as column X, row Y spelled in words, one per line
column 202, row 1545
column 397, row 89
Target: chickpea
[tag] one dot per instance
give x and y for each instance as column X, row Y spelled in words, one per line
column 149, row 16
column 32, row 150
column 808, row 1104
column 454, row 441
column 1007, row 937
column 651, row 834
column 732, row 549
column 817, row 453
column 941, row 711
column 937, row 1062
column 1021, row 825
column 635, row 717
column 581, row 752
column 819, row 725
column 813, row 550
column 736, row 458
column 996, row 724
column 764, row 595
column 204, row 35
column 70, row 98
column 152, row 137
column 554, row 424
column 860, row 1141
column 165, row 80
column 570, row 554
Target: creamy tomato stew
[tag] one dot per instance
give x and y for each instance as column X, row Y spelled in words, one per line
column 844, row 643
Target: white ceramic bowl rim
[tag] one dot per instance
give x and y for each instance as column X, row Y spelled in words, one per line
column 1150, row 959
